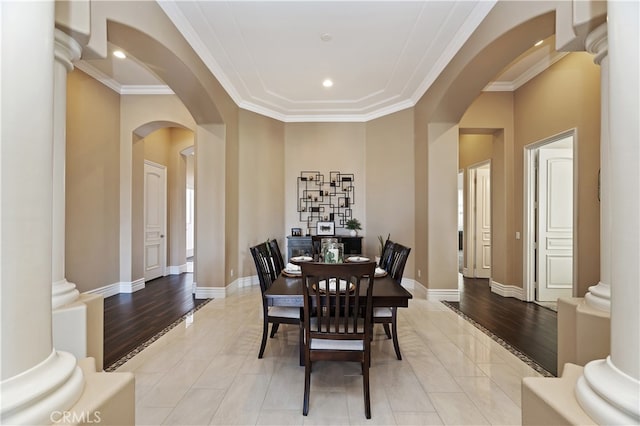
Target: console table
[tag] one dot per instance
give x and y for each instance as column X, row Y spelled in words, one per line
column 303, row 246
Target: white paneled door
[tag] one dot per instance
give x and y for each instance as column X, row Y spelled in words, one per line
column 155, row 220
column 483, row 222
column 555, row 224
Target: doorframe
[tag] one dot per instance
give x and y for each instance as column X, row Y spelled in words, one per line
column 529, row 219
column 470, row 231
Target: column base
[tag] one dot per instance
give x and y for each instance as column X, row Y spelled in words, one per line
column 599, row 297
column 608, row 395
column 552, row 401
column 107, row 399
column 62, row 293
column 30, row 397
column 584, row 333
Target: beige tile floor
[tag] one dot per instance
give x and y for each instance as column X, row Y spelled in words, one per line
column 206, row 371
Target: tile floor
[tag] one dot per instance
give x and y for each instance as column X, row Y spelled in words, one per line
column 207, row 371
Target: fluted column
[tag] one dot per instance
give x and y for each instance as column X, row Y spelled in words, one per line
column 36, row 379
column 66, row 50
column 609, row 390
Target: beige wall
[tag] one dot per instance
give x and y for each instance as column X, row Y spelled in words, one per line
column 325, row 147
column 474, row 149
column 177, row 196
column 390, row 184
column 566, row 96
column 92, row 191
column 261, row 185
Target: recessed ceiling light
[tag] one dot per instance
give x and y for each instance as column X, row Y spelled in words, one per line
column 325, row 37
column 327, row 82
column 119, row 54
column 538, row 43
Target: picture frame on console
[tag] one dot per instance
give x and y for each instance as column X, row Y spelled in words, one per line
column 324, row 228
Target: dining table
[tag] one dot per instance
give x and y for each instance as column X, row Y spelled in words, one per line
column 287, row 291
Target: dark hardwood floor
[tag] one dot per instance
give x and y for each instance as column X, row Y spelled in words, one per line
column 530, row 328
column 132, row 319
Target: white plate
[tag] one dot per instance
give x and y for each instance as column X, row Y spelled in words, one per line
column 357, row 259
column 302, row 258
column 290, row 273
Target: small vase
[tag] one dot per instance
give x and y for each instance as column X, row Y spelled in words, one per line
column 353, row 232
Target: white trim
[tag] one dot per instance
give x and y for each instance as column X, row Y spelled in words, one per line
column 433, row 294
column 439, row 294
column 133, row 286
column 210, row 292
column 177, row 269
column 507, row 290
column 246, row 281
column 117, row 288
column 106, row 291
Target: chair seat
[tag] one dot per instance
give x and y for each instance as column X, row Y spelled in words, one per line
column 382, row 312
column 337, row 345
column 284, row 312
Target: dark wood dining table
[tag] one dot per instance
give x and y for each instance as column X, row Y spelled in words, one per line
column 287, row 291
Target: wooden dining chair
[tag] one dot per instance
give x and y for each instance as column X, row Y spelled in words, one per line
column 388, row 317
column 275, row 315
column 276, row 255
column 335, row 330
column 385, row 256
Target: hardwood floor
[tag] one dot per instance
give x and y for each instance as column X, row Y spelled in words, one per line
column 528, row 327
column 132, row 319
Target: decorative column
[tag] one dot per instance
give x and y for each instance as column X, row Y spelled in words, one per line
column 66, row 50
column 599, row 296
column 609, row 389
column 36, row 379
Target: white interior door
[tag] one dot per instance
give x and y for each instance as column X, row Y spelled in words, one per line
column 155, row 220
column 483, row 222
column 555, row 224
column 190, row 206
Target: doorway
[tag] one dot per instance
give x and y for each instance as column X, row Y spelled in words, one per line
column 549, row 219
column 478, row 230
column 190, row 192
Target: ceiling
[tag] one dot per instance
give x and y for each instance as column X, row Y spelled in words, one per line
column 272, row 57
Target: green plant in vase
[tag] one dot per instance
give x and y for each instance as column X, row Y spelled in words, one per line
column 353, row 225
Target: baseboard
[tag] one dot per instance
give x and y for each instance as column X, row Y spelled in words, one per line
column 133, row 286
column 177, row 269
column 507, row 290
column 106, row 291
column 247, row 281
column 210, row 292
column 439, row 294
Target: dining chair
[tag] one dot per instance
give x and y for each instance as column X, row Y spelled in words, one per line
column 275, row 315
column 334, row 328
column 387, row 316
column 276, row 255
column 316, row 246
column 385, row 256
